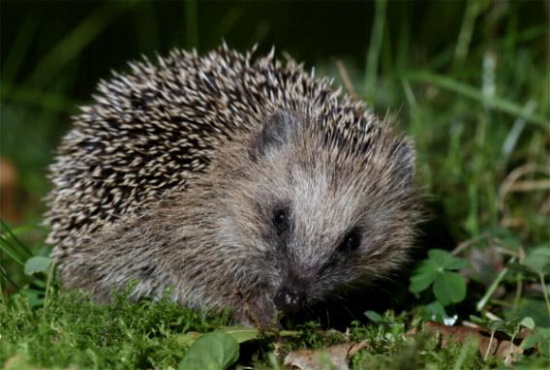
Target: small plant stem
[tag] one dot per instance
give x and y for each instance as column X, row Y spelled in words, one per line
column 2, row 298
column 7, row 279
column 49, row 279
column 489, row 345
column 472, row 222
column 345, row 78
column 11, row 254
column 483, row 301
column 464, row 350
column 518, row 328
column 519, row 291
column 374, row 49
column 466, row 32
column 273, row 361
column 545, row 292
column 15, row 239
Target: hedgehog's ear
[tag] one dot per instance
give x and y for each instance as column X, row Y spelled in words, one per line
column 405, row 156
column 274, row 134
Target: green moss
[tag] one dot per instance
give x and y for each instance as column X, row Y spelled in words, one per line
column 72, row 330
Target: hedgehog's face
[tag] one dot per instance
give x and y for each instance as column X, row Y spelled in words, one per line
column 322, row 224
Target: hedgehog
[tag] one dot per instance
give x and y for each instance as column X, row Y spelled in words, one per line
column 230, row 181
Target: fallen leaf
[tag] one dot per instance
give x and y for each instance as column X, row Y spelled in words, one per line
column 334, row 357
column 498, row 345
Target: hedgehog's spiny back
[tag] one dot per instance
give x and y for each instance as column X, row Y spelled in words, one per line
column 160, row 125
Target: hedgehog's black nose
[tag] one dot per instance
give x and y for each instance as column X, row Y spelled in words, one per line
column 289, row 300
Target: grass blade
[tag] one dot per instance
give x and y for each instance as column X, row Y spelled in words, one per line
column 15, row 57
column 494, row 102
column 7, row 231
column 81, row 36
column 375, row 45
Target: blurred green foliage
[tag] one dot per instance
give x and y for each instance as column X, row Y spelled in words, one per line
column 462, row 76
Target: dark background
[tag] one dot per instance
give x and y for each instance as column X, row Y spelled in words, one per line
column 53, row 53
column 309, row 31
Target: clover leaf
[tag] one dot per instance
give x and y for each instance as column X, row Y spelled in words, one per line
column 439, row 271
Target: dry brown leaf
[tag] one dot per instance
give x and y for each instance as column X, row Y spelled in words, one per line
column 334, row 357
column 499, row 345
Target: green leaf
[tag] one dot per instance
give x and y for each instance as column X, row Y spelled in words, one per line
column 533, row 308
column 540, row 338
column 543, row 335
column 35, row 297
column 373, row 316
column 495, row 325
column 449, row 287
column 528, row 322
column 241, row 333
column 446, row 260
column 423, row 276
column 37, row 264
column 212, row 351
column 529, row 342
column 539, row 260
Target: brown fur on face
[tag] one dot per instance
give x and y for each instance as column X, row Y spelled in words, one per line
column 217, row 243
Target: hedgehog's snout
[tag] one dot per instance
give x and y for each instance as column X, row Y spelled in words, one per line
column 291, row 296
column 290, row 300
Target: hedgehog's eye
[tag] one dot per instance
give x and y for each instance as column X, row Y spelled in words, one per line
column 351, row 242
column 280, row 220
